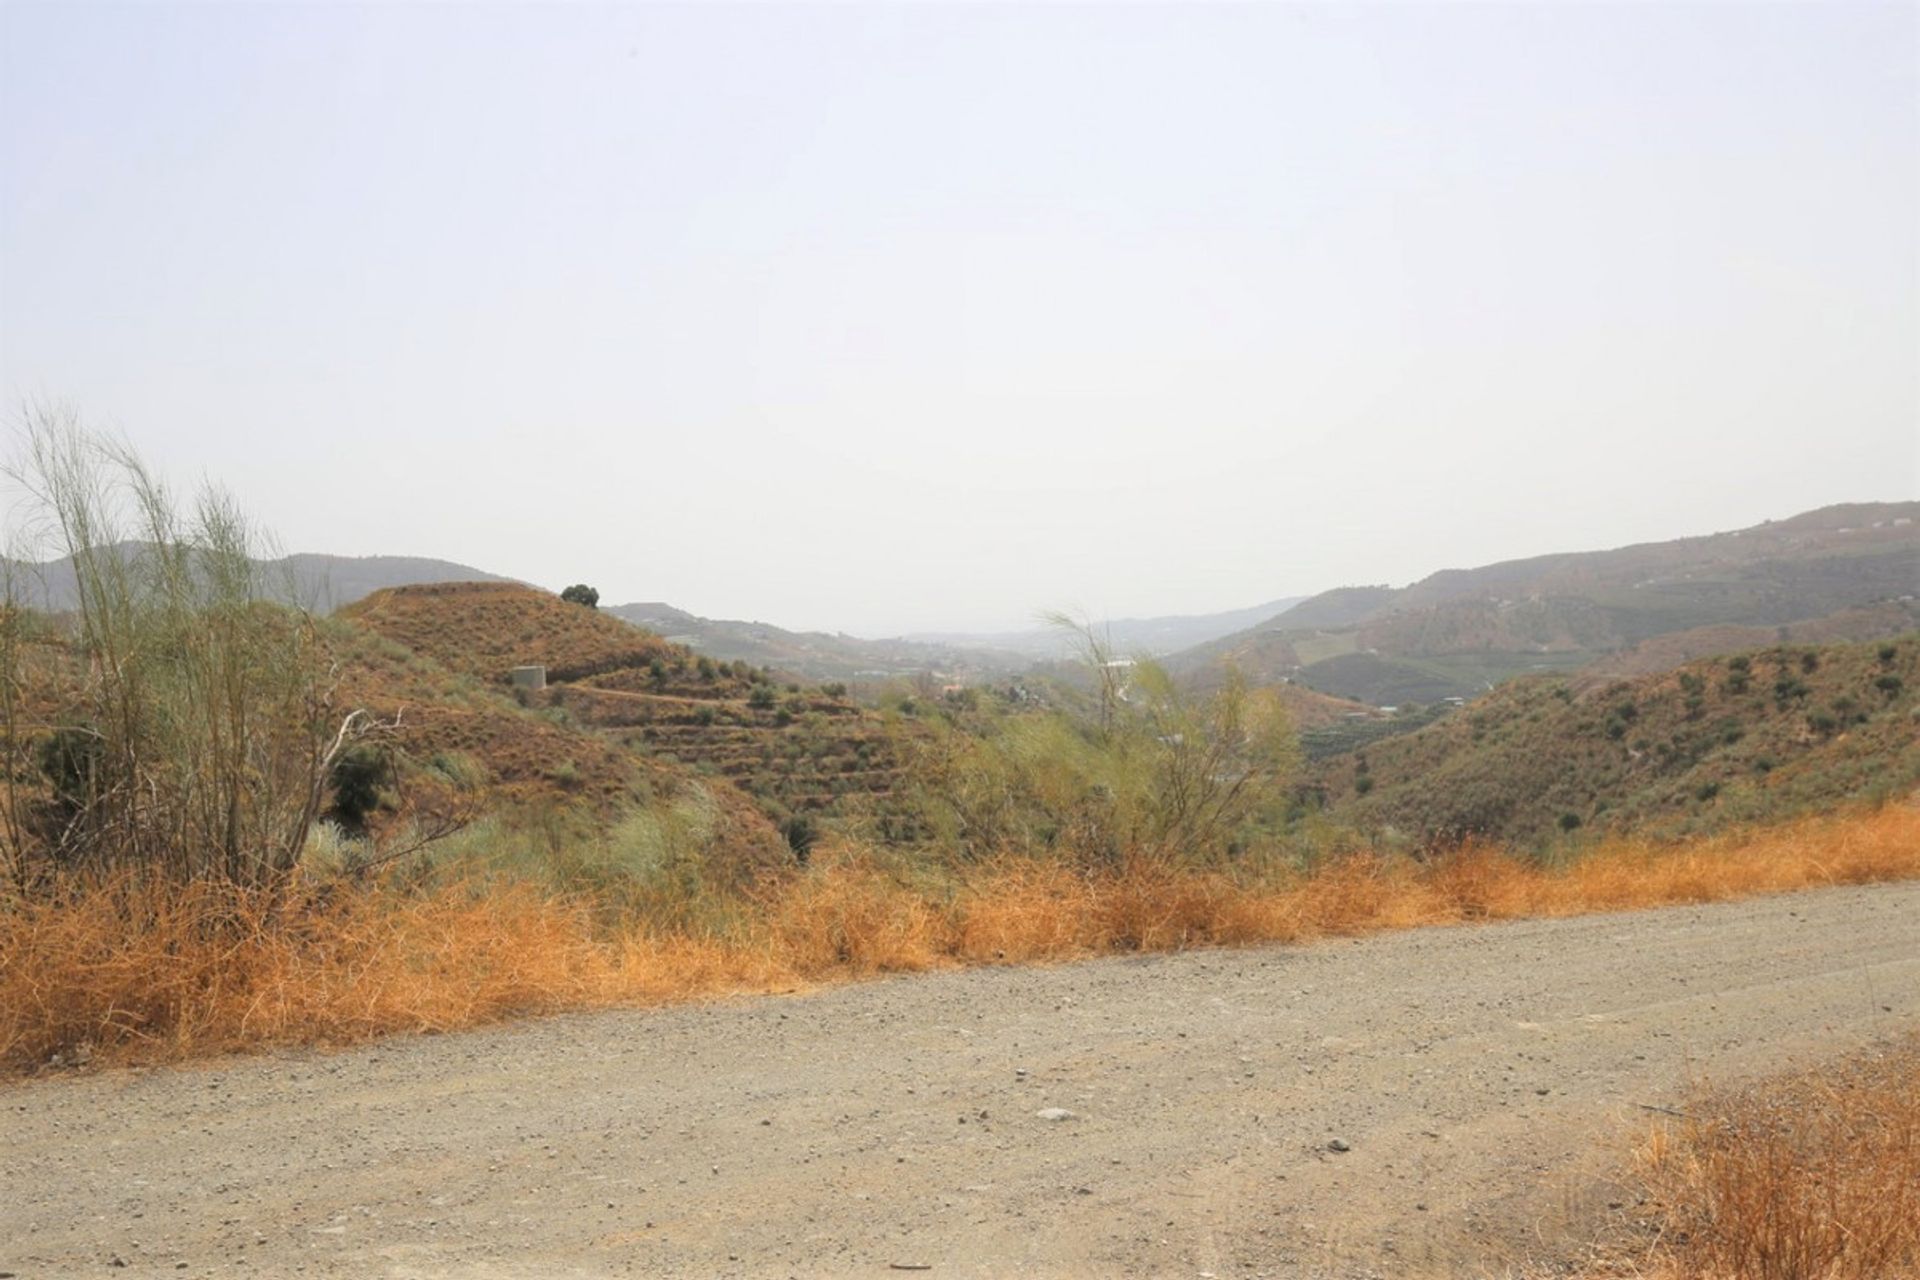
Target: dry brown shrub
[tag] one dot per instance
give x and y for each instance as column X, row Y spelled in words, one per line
column 1365, row 893
column 151, row 970
column 1020, row 910
column 1481, row 882
column 124, row 970
column 849, row 917
column 1808, row 1176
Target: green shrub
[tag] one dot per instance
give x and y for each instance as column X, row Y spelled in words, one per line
column 802, row 834
column 210, row 707
column 1149, row 770
column 69, row 759
column 460, row 769
column 359, row 778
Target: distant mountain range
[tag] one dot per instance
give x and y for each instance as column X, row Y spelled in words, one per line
column 962, row 655
column 1151, row 637
column 1459, row 632
column 328, row 582
column 319, row 582
column 1848, row 572
column 817, row 655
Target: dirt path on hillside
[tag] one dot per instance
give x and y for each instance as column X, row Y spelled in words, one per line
column 1480, row 1078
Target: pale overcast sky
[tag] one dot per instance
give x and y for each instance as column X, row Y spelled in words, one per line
column 900, row 316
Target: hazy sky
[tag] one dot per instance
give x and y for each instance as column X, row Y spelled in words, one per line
column 902, row 316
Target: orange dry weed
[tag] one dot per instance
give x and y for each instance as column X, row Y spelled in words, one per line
column 123, row 972
column 1810, row 1176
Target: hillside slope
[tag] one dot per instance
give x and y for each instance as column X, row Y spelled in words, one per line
column 1718, row 741
column 462, row 746
column 1664, row 653
column 797, row 752
column 1458, row 632
column 454, row 746
column 485, row 629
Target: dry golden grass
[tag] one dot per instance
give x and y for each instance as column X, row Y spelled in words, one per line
column 1810, row 1176
column 120, row 972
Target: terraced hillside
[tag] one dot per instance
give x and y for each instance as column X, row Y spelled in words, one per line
column 454, row 745
column 1752, row 736
column 463, row 747
column 470, row 731
column 802, row 752
column 484, row 629
column 799, row 752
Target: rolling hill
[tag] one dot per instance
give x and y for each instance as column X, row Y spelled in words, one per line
column 1457, row 633
column 1752, row 736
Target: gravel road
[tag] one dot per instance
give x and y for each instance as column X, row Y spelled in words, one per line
column 1479, row 1080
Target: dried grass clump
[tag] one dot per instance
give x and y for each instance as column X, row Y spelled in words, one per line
column 146, row 970
column 1809, row 1176
column 130, row 969
column 850, row 918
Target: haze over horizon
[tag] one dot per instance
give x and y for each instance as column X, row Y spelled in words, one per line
column 887, row 319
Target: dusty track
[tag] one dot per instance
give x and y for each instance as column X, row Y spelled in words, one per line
column 1473, row 1072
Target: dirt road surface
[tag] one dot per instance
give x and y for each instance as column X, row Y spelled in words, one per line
column 1480, row 1079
